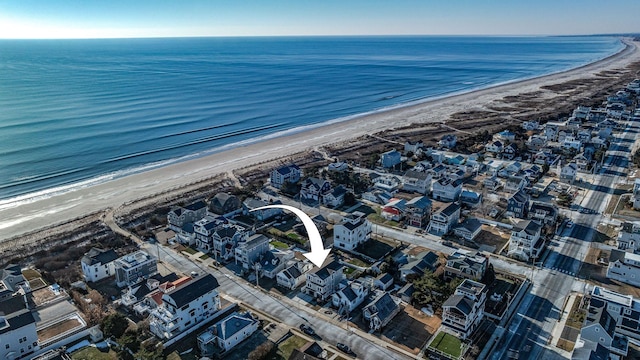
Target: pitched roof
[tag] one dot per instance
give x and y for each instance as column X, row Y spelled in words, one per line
column 200, row 204
column 382, row 306
column 420, row 202
column 416, row 175
column 193, row 290
column 450, row 209
column 529, row 226
column 99, row 256
column 233, row 324
column 460, row 302
column 326, row 271
column 15, row 313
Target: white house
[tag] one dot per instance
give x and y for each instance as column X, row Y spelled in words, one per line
column 294, row 275
column 468, row 229
column 495, row 147
column 248, row 252
column 384, row 281
column 413, row 147
column 505, row 135
column 18, row 336
column 624, row 267
column 324, row 282
column 349, row 297
column 97, row 264
column 335, row 197
column 132, row 268
column 284, row 174
column 525, row 242
column 465, row 264
column 530, row 125
column 463, row 311
column 571, row 143
column 353, row 230
column 227, row 333
column 315, row 189
column 184, row 308
column 448, row 141
column 416, row 181
column 444, row 220
column 568, row 172
column 446, row 189
column 629, row 236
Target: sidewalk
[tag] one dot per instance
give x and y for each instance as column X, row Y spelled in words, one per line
column 556, row 333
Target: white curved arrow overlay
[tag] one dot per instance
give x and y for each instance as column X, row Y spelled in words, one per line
column 318, row 253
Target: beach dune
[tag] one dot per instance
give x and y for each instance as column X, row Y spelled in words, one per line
column 33, row 214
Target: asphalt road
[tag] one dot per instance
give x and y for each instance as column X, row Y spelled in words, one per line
column 529, row 333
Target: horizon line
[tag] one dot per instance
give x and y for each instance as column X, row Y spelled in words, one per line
column 319, row 35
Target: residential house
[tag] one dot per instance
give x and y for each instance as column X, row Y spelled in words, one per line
column 581, row 112
column 568, row 173
column 315, row 189
column 518, row 204
column 624, row 309
column 294, row 275
column 274, row 261
column 12, row 282
column 309, row 351
column 18, row 336
column 526, row 241
column 417, row 265
column 384, row 281
column 571, row 144
column 97, row 264
column 573, row 123
column 492, row 183
column 191, row 213
column 438, row 171
column 349, row 297
column 510, row 151
column 607, row 124
column 470, row 198
column 624, row 267
column 413, row 147
column 406, row 292
column 582, row 161
column 543, row 212
column 446, row 189
column 584, row 136
column 225, row 204
column 599, row 329
column 132, row 268
column 140, row 296
column 377, row 196
column 250, row 205
column 417, row 211
column 468, row 229
column 324, row 282
column 186, row 307
column 387, row 183
column 505, row 136
column 542, row 157
column 335, row 198
column 353, row 230
column 530, row 125
column 515, row 183
column 338, row 166
column 380, row 311
column 494, row 147
column 629, row 236
column 227, row 333
column 448, row 141
column 285, row 174
column 225, row 239
column 390, row 158
column 551, row 131
column 203, row 233
column 466, row 264
column 444, row 220
column 636, row 194
column 394, row 210
column 536, row 142
column 249, row 252
column 416, row 181
column 463, row 311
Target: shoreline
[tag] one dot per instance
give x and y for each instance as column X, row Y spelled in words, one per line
column 114, row 193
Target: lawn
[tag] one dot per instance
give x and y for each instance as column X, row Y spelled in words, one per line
column 190, row 250
column 30, row 274
column 279, row 244
column 91, row 353
column 286, row 347
column 205, row 257
column 448, row 344
column 357, row 262
column 577, row 315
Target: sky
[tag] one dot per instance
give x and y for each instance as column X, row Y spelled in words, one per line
column 161, row 18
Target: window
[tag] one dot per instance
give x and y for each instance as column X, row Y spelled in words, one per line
column 6, row 346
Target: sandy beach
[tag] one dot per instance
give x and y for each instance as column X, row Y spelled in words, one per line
column 31, row 216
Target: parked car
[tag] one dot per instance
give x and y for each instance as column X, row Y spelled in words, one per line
column 345, row 349
column 569, row 223
column 307, row 330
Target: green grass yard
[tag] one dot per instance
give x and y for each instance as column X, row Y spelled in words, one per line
column 286, row 347
column 91, row 353
column 448, row 344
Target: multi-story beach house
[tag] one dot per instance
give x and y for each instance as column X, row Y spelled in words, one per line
column 179, row 216
column 349, row 297
column 186, row 307
column 463, row 311
column 285, row 174
column 390, row 158
column 466, row 265
column 18, row 335
column 135, row 267
column 315, row 189
column 380, row 311
column 294, row 275
column 418, row 211
column 227, row 333
column 518, row 204
column 443, row 221
column 468, row 229
column 624, row 267
column 416, row 181
column 446, row 189
column 324, row 282
column 629, row 236
column 97, row 264
column 525, row 242
column 419, row 264
column 353, row 230
column 249, row 251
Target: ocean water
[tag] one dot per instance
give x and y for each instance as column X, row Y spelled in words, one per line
column 77, row 112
